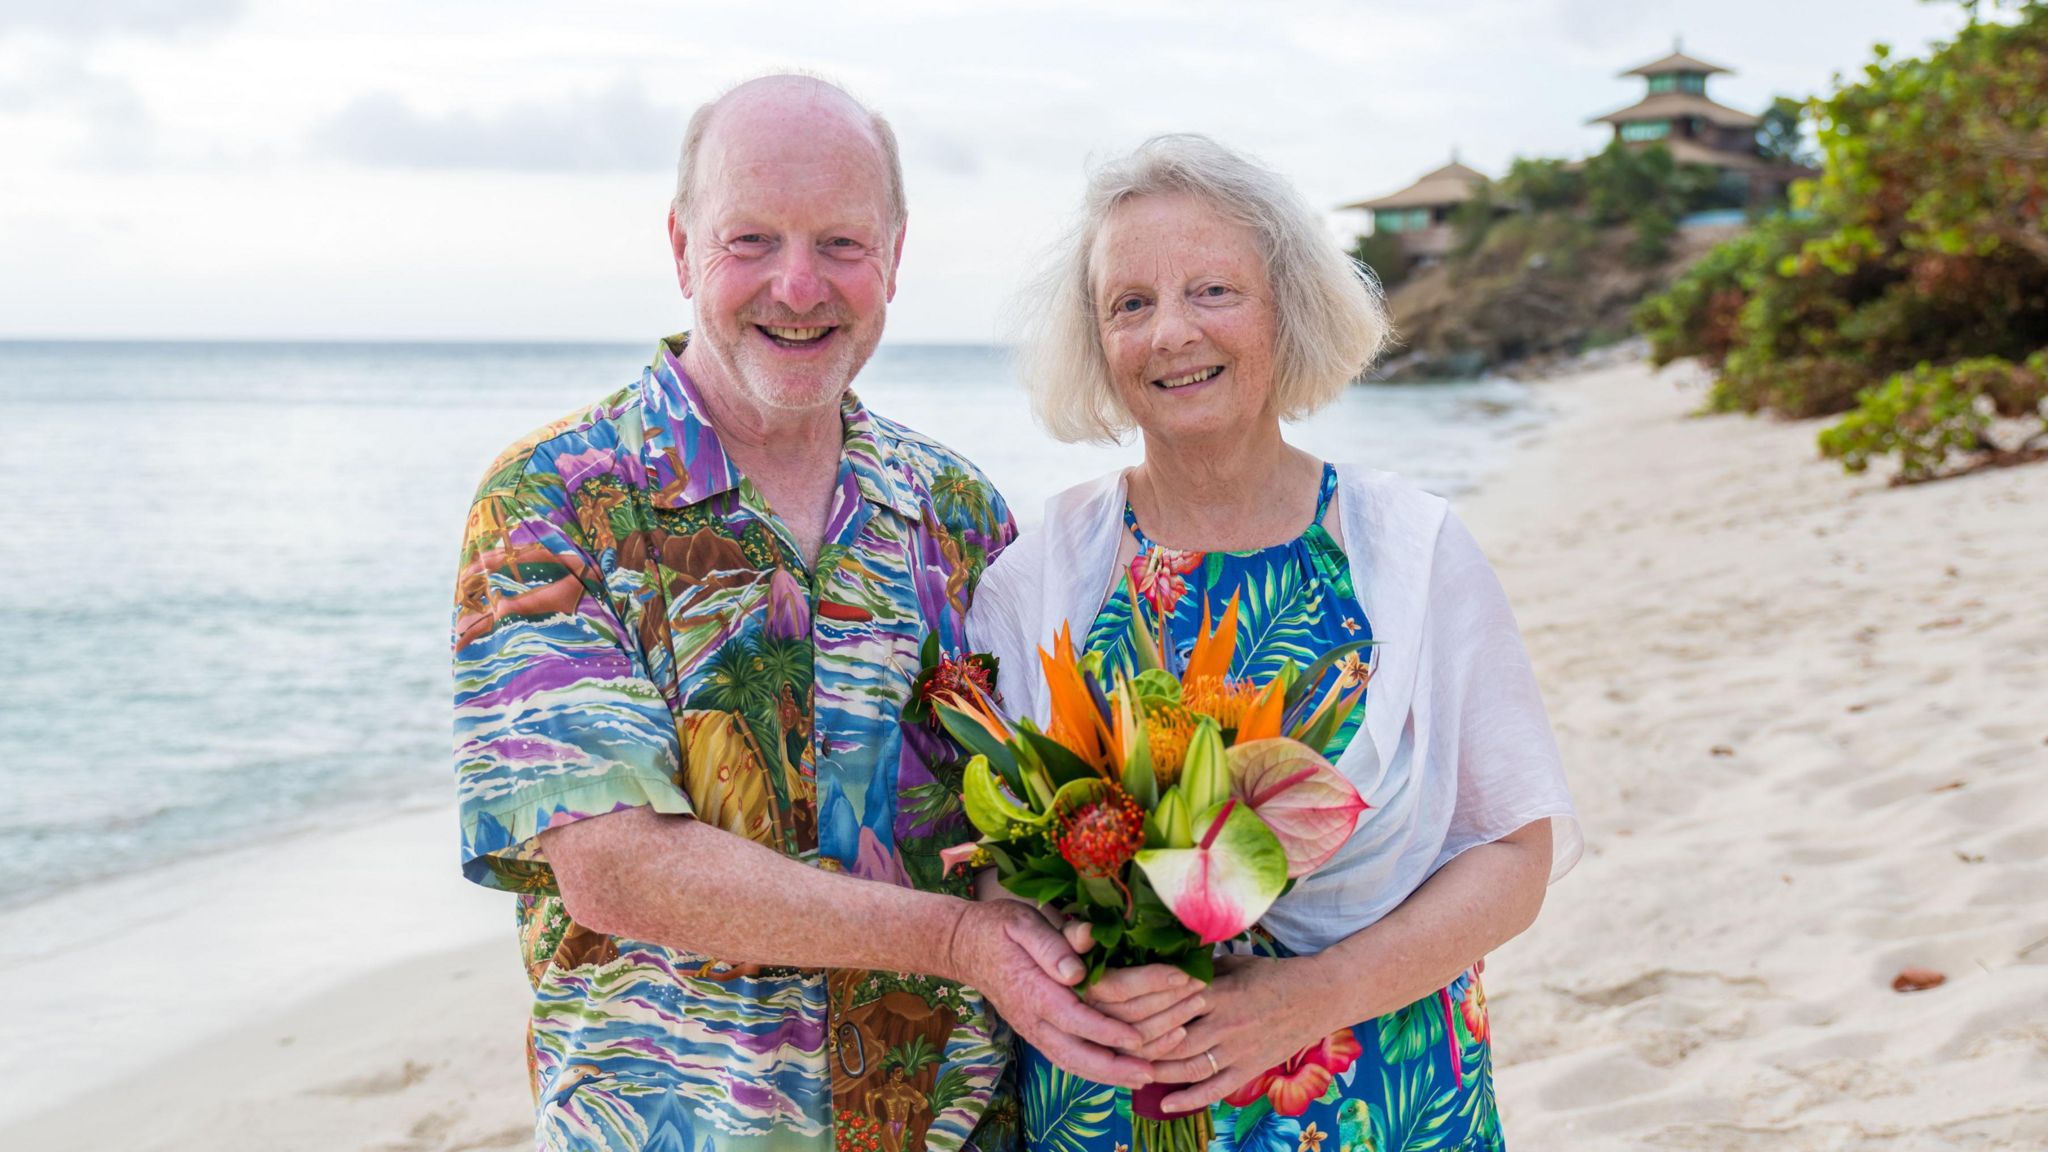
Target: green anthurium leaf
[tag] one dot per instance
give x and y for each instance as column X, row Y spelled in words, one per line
column 992, row 811
column 1205, row 775
column 1309, row 805
column 1222, row 885
column 928, row 652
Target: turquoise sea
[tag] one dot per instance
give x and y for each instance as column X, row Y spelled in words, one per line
column 229, row 565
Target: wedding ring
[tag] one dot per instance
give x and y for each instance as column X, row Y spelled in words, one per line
column 1213, row 1069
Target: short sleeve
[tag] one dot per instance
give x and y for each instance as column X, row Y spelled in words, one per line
column 556, row 717
column 1488, row 716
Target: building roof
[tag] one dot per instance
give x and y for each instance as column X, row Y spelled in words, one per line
column 1450, row 184
column 1676, row 62
column 1693, row 152
column 1674, row 105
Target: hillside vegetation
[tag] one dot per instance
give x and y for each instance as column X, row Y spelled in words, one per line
column 1911, row 291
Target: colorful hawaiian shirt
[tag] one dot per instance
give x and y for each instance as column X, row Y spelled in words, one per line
column 634, row 627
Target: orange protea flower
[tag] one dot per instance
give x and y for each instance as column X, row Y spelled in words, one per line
column 1098, row 837
column 1226, row 701
column 1168, row 729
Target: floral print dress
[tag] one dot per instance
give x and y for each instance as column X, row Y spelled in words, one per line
column 1420, row 1077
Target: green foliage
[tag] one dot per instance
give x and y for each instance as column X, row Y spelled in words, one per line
column 913, row 1056
column 1648, row 189
column 1542, row 185
column 1472, row 220
column 1780, row 135
column 1701, row 313
column 1382, row 252
column 1929, row 415
column 1922, row 243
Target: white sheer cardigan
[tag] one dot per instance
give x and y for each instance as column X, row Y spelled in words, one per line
column 1456, row 750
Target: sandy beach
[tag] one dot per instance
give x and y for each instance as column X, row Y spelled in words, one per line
column 1804, row 720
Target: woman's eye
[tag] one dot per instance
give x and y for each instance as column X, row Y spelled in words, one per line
column 1214, row 290
column 1129, row 304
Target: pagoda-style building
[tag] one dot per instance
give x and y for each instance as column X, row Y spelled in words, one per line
column 1420, row 214
column 1676, row 112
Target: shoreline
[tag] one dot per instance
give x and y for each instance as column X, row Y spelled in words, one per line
column 1714, row 974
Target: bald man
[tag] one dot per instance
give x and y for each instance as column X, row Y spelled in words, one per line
column 687, row 620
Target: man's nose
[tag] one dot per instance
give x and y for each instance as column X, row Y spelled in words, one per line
column 800, row 283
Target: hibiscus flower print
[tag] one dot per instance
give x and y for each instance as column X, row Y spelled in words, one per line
column 1473, row 1010
column 1295, row 1083
column 1156, row 573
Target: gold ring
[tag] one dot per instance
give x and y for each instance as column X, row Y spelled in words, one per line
column 1213, row 1069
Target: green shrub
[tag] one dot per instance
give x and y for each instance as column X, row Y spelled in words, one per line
column 1923, row 242
column 1928, row 416
column 1382, row 252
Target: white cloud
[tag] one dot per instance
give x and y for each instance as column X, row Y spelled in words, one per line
column 616, row 130
column 116, row 17
column 476, row 168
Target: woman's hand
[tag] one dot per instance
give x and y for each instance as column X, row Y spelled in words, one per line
column 1257, row 1017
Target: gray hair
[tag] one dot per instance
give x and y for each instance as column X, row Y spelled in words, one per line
column 700, row 123
column 1331, row 319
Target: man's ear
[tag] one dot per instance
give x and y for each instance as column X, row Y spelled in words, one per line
column 896, row 260
column 678, row 246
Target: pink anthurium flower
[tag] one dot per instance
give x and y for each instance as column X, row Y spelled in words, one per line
column 1308, row 804
column 1223, row 884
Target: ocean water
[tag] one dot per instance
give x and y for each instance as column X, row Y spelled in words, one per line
column 230, row 565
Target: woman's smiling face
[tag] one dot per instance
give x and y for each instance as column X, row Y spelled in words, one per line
column 1186, row 318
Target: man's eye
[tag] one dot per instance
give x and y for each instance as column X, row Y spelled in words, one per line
column 750, row 238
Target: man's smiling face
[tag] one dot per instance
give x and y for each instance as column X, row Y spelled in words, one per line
column 790, row 248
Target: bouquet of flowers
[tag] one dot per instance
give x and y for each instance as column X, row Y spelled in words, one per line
column 1167, row 807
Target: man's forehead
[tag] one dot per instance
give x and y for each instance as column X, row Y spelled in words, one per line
column 791, row 118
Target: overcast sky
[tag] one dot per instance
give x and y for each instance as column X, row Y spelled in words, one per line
column 500, row 168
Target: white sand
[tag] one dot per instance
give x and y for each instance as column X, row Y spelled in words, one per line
column 1716, row 974
column 1872, row 664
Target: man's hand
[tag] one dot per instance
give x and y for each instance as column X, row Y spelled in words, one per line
column 1006, row 951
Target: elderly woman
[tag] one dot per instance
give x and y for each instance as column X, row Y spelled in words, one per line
column 1201, row 303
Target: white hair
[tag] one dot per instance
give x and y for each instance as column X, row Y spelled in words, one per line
column 700, row 123
column 1331, row 320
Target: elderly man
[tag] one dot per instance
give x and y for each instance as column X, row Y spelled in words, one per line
column 687, row 621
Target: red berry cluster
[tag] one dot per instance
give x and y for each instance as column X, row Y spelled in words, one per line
column 1099, row 836
column 956, row 679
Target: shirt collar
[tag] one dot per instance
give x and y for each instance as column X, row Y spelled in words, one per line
column 686, row 464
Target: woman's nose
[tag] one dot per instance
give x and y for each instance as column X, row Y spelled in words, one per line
column 1175, row 327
